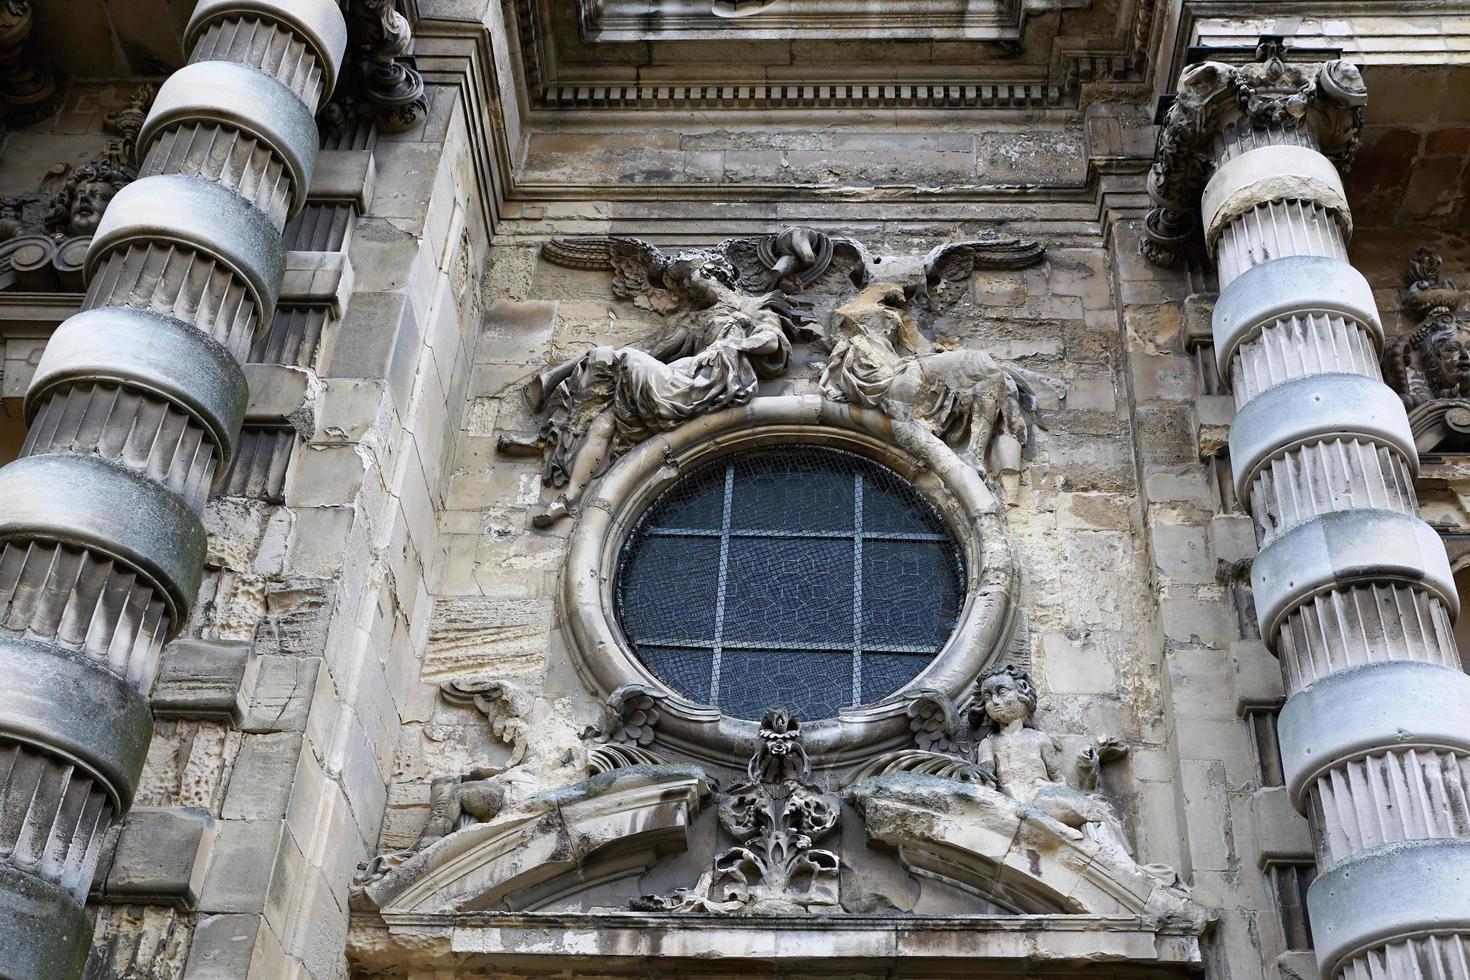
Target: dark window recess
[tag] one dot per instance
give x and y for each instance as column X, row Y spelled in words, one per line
column 801, row 576
column 1262, row 719
column 1291, row 880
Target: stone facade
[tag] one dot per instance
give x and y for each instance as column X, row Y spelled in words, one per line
column 344, row 347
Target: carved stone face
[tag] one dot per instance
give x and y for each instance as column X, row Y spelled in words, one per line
column 87, row 204
column 1446, row 359
column 1004, row 701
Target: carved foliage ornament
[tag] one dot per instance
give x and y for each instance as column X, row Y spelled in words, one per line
column 1324, row 101
column 730, row 317
column 382, row 86
column 777, row 817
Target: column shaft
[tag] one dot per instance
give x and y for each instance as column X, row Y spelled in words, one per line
column 1352, row 589
column 136, row 405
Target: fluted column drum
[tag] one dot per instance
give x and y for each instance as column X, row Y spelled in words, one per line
column 1353, row 591
column 135, row 406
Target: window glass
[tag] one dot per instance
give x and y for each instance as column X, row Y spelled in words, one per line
column 801, row 576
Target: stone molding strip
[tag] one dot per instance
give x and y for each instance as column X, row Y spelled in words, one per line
column 203, row 217
column 150, row 352
column 90, row 502
column 1395, row 706
column 242, row 99
column 105, row 729
column 1272, row 173
column 1312, row 409
column 936, row 95
column 1342, row 549
column 1293, row 286
column 1389, row 894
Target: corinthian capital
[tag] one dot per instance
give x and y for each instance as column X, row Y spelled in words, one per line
column 1314, row 104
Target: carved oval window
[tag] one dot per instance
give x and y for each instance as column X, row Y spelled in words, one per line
column 797, row 576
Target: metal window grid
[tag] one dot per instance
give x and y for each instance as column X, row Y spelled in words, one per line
column 718, row 644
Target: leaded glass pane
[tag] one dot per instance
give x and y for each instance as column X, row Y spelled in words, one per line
column 798, row 576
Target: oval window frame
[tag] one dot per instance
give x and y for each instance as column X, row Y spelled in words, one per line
column 605, row 661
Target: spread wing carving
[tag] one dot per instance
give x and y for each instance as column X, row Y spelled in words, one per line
column 955, row 261
column 637, row 267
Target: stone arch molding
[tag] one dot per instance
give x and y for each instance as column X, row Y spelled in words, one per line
column 972, row 508
column 621, row 823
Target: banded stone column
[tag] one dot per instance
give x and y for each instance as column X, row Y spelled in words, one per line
column 1353, row 591
column 135, row 406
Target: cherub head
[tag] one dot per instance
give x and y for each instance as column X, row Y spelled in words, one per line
column 1004, row 694
column 87, row 192
column 1444, row 355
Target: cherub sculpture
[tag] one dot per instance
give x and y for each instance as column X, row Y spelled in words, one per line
column 880, row 359
column 1024, row 759
column 546, row 752
column 720, row 345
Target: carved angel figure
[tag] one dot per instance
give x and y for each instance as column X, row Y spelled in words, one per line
column 1024, row 759
column 712, row 356
column 880, row 360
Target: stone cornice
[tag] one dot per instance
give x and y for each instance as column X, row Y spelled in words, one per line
column 630, row 20
column 858, row 85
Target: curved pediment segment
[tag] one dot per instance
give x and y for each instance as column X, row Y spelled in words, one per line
column 609, row 826
column 1017, row 857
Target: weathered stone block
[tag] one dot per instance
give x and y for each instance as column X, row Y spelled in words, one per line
column 161, row 856
column 279, row 394
column 264, row 773
column 344, row 175
column 1182, row 553
column 204, row 679
column 506, row 637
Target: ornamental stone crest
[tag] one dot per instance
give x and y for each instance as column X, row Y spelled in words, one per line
column 1429, row 365
column 44, row 235
column 731, row 317
column 777, row 817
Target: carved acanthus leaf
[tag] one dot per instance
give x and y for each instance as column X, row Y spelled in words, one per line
column 1325, row 98
column 505, row 705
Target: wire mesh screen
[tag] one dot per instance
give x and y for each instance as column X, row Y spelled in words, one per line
column 800, row 576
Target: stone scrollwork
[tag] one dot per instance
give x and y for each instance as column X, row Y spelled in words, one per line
column 733, row 315
column 28, row 89
column 1429, row 365
column 777, row 817
column 1323, row 102
column 385, row 88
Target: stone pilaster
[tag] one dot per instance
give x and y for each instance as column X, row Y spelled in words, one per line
column 1353, row 591
column 135, row 406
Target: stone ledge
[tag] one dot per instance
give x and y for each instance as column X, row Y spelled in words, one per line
column 631, row 944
